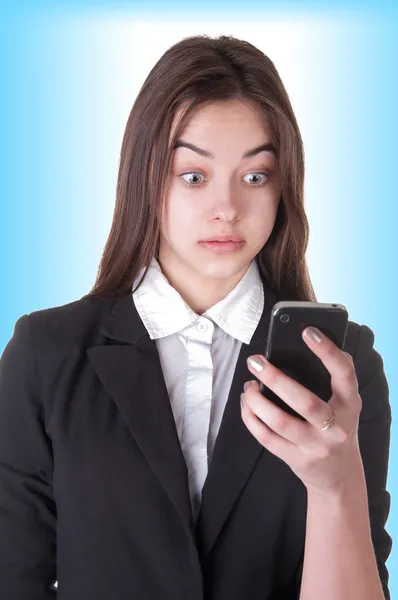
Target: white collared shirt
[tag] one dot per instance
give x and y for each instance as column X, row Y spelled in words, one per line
column 198, row 355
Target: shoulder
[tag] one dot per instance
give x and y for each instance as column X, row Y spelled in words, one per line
column 59, row 329
column 53, row 340
column 360, row 343
column 74, row 321
column 369, row 369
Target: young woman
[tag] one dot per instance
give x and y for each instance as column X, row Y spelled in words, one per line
column 129, row 468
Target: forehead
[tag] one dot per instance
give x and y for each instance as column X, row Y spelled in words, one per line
column 231, row 115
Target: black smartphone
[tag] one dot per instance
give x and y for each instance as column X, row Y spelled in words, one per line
column 286, row 349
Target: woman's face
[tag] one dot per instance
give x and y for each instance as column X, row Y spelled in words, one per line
column 221, row 193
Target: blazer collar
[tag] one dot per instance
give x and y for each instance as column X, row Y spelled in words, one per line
column 130, row 370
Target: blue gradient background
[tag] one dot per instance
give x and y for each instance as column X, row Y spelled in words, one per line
column 69, row 75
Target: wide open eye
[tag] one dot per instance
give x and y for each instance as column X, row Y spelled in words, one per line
column 259, row 178
column 193, row 178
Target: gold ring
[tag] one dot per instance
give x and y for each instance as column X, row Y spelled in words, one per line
column 327, row 424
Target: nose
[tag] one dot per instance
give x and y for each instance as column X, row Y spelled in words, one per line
column 225, row 206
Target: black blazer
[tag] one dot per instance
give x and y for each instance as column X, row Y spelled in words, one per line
column 93, row 483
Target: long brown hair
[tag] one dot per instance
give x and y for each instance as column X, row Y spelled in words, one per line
column 193, row 72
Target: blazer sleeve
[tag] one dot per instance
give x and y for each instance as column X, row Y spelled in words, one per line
column 374, row 441
column 27, row 506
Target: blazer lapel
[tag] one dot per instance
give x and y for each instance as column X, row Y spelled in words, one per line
column 131, row 372
column 236, row 450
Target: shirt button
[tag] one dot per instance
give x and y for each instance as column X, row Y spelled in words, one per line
column 202, row 326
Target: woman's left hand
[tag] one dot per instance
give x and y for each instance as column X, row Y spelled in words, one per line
column 325, row 460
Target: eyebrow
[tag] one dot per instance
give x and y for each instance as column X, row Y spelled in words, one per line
column 263, row 148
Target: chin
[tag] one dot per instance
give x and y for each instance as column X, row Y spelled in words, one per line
column 223, row 267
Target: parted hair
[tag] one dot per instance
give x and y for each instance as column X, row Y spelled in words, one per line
column 191, row 73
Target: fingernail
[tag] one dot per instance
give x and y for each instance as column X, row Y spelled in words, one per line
column 250, row 384
column 242, row 400
column 256, row 363
column 313, row 334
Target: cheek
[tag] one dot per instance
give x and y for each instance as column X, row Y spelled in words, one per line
column 262, row 216
column 259, row 225
column 179, row 215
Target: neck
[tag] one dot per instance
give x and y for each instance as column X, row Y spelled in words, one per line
column 198, row 291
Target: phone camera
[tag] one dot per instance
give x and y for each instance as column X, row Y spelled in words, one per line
column 285, row 318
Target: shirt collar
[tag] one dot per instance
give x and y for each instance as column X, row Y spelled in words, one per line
column 164, row 312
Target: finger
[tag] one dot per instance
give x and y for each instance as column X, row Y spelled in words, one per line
column 301, row 399
column 339, row 364
column 286, row 426
column 270, row 440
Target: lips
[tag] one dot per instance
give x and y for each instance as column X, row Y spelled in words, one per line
column 222, row 247
column 224, row 238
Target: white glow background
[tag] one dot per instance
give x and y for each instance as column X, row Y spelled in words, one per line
column 70, row 73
